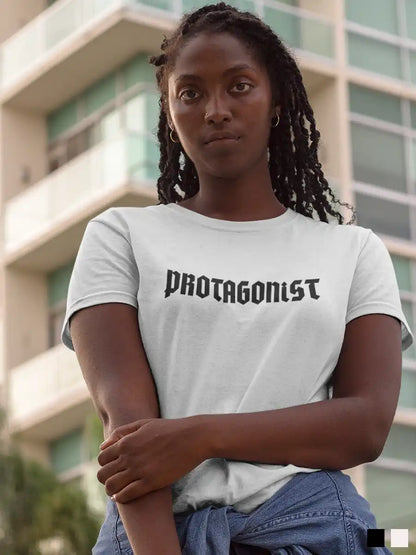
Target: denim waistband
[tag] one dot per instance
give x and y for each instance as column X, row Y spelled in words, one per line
column 314, row 513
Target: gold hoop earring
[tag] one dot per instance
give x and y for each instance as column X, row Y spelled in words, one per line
column 171, row 138
column 277, row 123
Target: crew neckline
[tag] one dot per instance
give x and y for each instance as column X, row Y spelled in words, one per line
column 216, row 223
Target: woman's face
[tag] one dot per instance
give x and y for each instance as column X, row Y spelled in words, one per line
column 217, row 86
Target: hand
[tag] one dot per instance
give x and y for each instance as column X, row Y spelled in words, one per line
column 147, row 455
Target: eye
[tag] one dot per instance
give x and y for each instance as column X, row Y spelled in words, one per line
column 187, row 91
column 242, row 83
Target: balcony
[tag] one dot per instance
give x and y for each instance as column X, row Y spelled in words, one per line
column 71, row 45
column 47, row 394
column 90, row 39
column 105, row 172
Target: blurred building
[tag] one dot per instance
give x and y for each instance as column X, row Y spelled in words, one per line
column 78, row 120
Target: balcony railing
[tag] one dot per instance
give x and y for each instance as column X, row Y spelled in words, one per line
column 68, row 18
column 53, row 26
column 128, row 158
column 45, row 383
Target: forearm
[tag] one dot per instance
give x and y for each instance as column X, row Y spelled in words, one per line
column 332, row 434
column 148, row 520
column 114, row 364
column 150, row 525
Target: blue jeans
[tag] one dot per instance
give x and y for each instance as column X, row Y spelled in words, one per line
column 315, row 513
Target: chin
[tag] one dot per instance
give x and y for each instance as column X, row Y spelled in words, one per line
column 224, row 170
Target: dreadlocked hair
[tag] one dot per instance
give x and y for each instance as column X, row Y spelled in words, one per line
column 295, row 171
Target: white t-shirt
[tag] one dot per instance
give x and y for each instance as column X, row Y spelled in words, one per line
column 234, row 317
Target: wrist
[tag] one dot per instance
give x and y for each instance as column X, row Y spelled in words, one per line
column 204, row 437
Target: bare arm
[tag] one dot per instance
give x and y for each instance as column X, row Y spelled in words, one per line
column 339, row 433
column 110, row 352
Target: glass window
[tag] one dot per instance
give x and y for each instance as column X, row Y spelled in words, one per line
column 401, row 443
column 57, row 157
column 402, row 269
column 100, row 93
column 407, row 397
column 142, row 113
column 413, row 114
column 62, row 119
column 378, row 14
column 375, row 104
column 383, row 216
column 60, row 24
column 410, row 6
column 374, row 55
column 408, row 312
column 58, row 281
column 143, row 157
column 152, row 112
column 286, row 25
column 378, row 157
column 412, row 62
column 56, row 321
column 136, row 113
column 301, row 32
column 66, row 452
column 391, row 495
column 138, row 70
column 160, row 4
column 109, row 126
column 81, row 142
column 413, row 163
column 293, row 3
column 317, row 36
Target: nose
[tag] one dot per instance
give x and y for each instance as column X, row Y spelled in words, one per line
column 217, row 109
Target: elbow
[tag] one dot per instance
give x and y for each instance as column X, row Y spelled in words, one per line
column 376, row 439
column 360, row 452
column 372, row 450
column 366, row 443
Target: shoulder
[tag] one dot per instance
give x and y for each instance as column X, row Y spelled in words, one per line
column 125, row 218
column 339, row 234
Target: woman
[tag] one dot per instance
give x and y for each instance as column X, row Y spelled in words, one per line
column 250, row 311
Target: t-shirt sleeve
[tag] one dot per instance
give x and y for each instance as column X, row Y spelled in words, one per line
column 104, row 271
column 374, row 287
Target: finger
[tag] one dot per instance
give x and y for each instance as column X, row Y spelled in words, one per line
column 109, row 469
column 132, row 491
column 122, row 431
column 109, row 454
column 117, row 434
column 109, row 441
column 118, row 482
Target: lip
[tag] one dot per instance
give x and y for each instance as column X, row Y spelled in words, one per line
column 221, row 137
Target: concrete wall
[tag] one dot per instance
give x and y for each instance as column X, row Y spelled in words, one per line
column 17, row 13
column 26, row 307
column 24, row 147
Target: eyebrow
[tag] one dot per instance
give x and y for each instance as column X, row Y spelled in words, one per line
column 238, row 67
